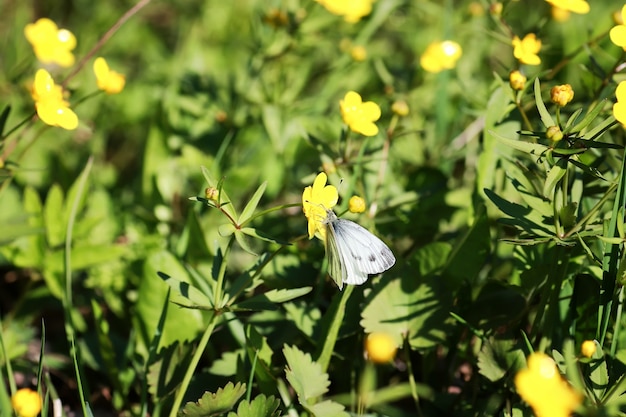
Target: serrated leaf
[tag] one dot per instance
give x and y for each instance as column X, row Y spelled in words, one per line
column 248, row 211
column 305, row 316
column 305, row 375
column 228, row 364
column 214, row 404
column 261, row 406
column 546, row 118
column 327, row 409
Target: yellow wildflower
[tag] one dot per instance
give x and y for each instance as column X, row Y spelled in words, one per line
column 359, row 116
column 351, row 10
column 561, row 94
column 26, row 402
column 618, row 33
column 358, row 53
column 356, row 204
column 51, row 106
column 440, row 56
column 576, row 6
column 541, row 386
column 560, row 15
column 619, row 108
column 554, row 133
column 51, row 44
column 517, row 80
column 108, row 80
column 316, row 200
column 588, row 348
column 380, row 347
column 526, row 50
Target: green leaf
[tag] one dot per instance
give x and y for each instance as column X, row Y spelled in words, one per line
column 415, row 308
column 261, row 235
column 497, row 358
column 248, row 211
column 305, row 376
column 305, row 316
column 228, row 364
column 54, row 220
column 187, row 291
column 167, row 370
column 268, row 300
column 592, row 113
column 224, row 200
column 554, row 176
column 261, row 406
column 470, row 253
column 526, row 147
column 214, row 404
column 241, row 239
column 3, row 118
column 599, row 374
column 327, row 409
column 521, row 217
column 546, row 118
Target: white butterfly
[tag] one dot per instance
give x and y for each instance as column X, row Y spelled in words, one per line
column 353, row 252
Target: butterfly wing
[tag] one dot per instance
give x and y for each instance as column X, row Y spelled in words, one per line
column 336, row 266
column 361, row 252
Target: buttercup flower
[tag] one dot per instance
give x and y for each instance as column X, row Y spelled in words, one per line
column 517, row 80
column 619, row 108
column 541, row 386
column 108, row 80
column 356, row 204
column 588, row 348
column 380, row 347
column 359, row 116
column 576, row 6
column 561, row 94
column 560, row 15
column 315, row 201
column 525, row 50
column 51, row 44
column 618, row 33
column 26, row 402
column 51, row 107
column 351, row 10
column 358, row 53
column 440, row 56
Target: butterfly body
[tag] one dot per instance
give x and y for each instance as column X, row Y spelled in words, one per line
column 353, row 252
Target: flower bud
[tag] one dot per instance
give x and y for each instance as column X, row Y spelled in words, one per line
column 356, row 204
column 554, row 133
column 26, row 402
column 380, row 347
column 588, row 348
column 517, row 80
column 211, row 193
column 561, row 94
column 400, row 108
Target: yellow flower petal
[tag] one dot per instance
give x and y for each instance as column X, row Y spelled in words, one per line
column 618, row 35
column 109, row 81
column 316, row 200
column 51, row 44
column 359, row 116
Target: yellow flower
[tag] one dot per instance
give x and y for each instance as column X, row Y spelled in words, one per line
column 51, row 44
column 541, row 386
column 380, row 347
column 588, row 348
column 619, row 108
column 351, row 10
column 358, row 53
column 576, row 6
column 554, row 133
column 618, row 33
column 108, row 80
column 356, row 204
column 561, row 94
column 525, row 50
column 359, row 116
column 400, row 107
column 440, row 56
column 51, row 107
column 517, row 80
column 315, row 201
column 26, row 402
column 559, row 15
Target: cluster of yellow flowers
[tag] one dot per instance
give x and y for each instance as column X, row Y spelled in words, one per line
column 54, row 46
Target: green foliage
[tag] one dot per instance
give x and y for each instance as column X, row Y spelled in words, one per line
column 165, row 238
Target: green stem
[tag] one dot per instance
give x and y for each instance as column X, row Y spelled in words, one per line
column 220, row 277
column 412, row 382
column 180, row 394
column 333, row 331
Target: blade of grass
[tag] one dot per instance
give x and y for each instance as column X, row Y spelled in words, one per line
column 333, row 330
